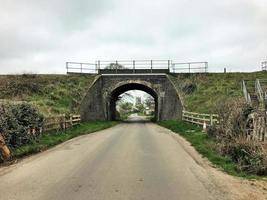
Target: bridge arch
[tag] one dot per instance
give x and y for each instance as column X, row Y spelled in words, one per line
column 127, row 86
column 100, row 101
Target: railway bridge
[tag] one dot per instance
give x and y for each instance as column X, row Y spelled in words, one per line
column 113, row 78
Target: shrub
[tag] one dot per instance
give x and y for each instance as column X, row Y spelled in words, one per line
column 19, row 124
column 189, row 88
column 251, row 156
column 232, row 120
column 232, row 141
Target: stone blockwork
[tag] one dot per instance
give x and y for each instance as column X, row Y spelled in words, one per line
column 100, row 100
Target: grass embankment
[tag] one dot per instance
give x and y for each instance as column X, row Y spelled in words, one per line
column 51, row 139
column 201, row 92
column 205, row 146
column 51, row 94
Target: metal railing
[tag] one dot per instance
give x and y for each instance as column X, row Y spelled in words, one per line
column 264, row 66
column 190, row 67
column 245, row 92
column 258, row 89
column 76, row 67
column 263, row 85
column 200, row 118
column 136, row 66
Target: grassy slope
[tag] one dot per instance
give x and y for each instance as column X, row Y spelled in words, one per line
column 52, row 94
column 211, row 88
column 205, row 146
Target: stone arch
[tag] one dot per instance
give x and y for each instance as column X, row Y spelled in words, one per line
column 122, row 87
column 97, row 103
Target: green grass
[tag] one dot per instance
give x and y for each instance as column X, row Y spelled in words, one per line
column 56, row 94
column 51, row 94
column 212, row 88
column 51, row 139
column 205, row 146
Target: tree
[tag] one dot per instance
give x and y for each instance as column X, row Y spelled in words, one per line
column 149, row 101
column 115, row 66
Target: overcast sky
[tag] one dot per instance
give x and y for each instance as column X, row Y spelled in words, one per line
column 39, row 36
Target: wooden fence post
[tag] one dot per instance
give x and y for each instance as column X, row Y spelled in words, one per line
column 71, row 121
column 64, row 122
column 211, row 120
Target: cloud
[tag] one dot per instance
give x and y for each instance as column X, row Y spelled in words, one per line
column 40, row 36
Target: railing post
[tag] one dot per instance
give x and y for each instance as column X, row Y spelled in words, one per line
column 189, row 67
column 96, row 71
column 206, row 66
column 67, row 67
column 98, row 63
column 81, row 67
column 151, row 65
column 169, row 65
column 133, row 66
column 71, row 124
column 116, row 66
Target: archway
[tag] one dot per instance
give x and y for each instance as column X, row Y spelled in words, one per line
column 100, row 99
column 114, row 95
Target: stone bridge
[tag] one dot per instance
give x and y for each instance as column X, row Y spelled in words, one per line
column 100, row 100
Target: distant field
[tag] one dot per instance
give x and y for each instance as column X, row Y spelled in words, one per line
column 201, row 92
column 51, row 94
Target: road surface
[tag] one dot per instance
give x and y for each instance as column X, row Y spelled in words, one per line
column 131, row 161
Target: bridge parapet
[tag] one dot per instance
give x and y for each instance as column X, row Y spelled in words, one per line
column 136, row 67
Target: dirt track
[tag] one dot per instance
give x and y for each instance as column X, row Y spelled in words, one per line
column 131, row 161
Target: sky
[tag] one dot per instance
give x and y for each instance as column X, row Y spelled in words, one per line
column 40, row 36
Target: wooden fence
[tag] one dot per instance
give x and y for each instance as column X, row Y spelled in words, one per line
column 200, row 118
column 60, row 122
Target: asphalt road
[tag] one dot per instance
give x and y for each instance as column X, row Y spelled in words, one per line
column 131, row 161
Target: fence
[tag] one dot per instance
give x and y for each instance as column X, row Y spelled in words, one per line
column 88, row 68
column 190, row 67
column 60, row 122
column 136, row 66
column 200, row 118
column 245, row 92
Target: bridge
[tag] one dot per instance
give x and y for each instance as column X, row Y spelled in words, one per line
column 116, row 77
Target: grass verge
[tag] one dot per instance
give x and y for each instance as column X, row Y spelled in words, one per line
column 51, row 139
column 205, row 146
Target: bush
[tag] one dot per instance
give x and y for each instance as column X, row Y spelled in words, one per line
column 189, row 88
column 251, row 156
column 232, row 140
column 232, row 118
column 19, row 124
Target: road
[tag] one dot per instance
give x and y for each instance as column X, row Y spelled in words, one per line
column 131, row 161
